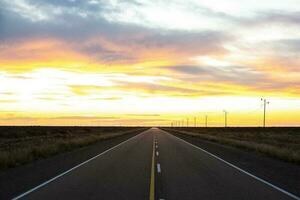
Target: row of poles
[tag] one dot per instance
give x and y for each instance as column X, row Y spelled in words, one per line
column 181, row 123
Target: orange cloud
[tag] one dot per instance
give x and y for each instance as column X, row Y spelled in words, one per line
column 20, row 56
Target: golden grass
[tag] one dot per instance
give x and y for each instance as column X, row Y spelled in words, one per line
column 280, row 143
column 25, row 147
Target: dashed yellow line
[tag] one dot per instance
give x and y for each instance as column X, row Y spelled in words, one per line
column 152, row 180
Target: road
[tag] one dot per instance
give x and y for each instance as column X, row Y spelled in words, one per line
column 155, row 165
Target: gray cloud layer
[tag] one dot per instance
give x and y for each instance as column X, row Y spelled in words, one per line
column 76, row 22
column 77, row 29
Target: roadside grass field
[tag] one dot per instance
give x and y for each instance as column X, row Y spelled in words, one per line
column 278, row 142
column 20, row 145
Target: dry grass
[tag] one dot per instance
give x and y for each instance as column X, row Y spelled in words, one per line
column 20, row 145
column 281, row 143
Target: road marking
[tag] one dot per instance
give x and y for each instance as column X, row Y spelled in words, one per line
column 241, row 170
column 73, row 168
column 158, row 168
column 156, row 146
column 157, row 153
column 152, row 178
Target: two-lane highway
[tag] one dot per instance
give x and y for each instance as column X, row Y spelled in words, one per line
column 156, row 165
column 122, row 172
column 191, row 173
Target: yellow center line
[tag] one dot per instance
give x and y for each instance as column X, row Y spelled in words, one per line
column 152, row 180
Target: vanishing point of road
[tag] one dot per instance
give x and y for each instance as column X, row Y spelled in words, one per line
column 156, row 165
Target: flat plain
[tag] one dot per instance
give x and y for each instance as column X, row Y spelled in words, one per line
column 278, row 142
column 23, row 144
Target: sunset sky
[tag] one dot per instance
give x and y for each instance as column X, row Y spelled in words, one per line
column 140, row 62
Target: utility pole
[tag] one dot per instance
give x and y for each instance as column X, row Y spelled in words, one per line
column 206, row 121
column 265, row 105
column 225, row 112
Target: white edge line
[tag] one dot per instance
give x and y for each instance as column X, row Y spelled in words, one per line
column 73, row 168
column 241, row 170
column 158, row 168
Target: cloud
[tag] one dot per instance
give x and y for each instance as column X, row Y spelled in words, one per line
column 98, row 40
column 268, row 17
column 86, row 118
column 7, row 101
column 85, row 89
column 244, row 77
column 284, row 46
column 144, row 115
column 108, row 98
column 159, row 89
column 232, row 74
column 122, row 89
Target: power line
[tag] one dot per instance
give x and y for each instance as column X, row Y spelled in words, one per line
column 265, row 102
column 225, row 112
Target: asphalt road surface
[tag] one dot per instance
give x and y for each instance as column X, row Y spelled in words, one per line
column 156, row 165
